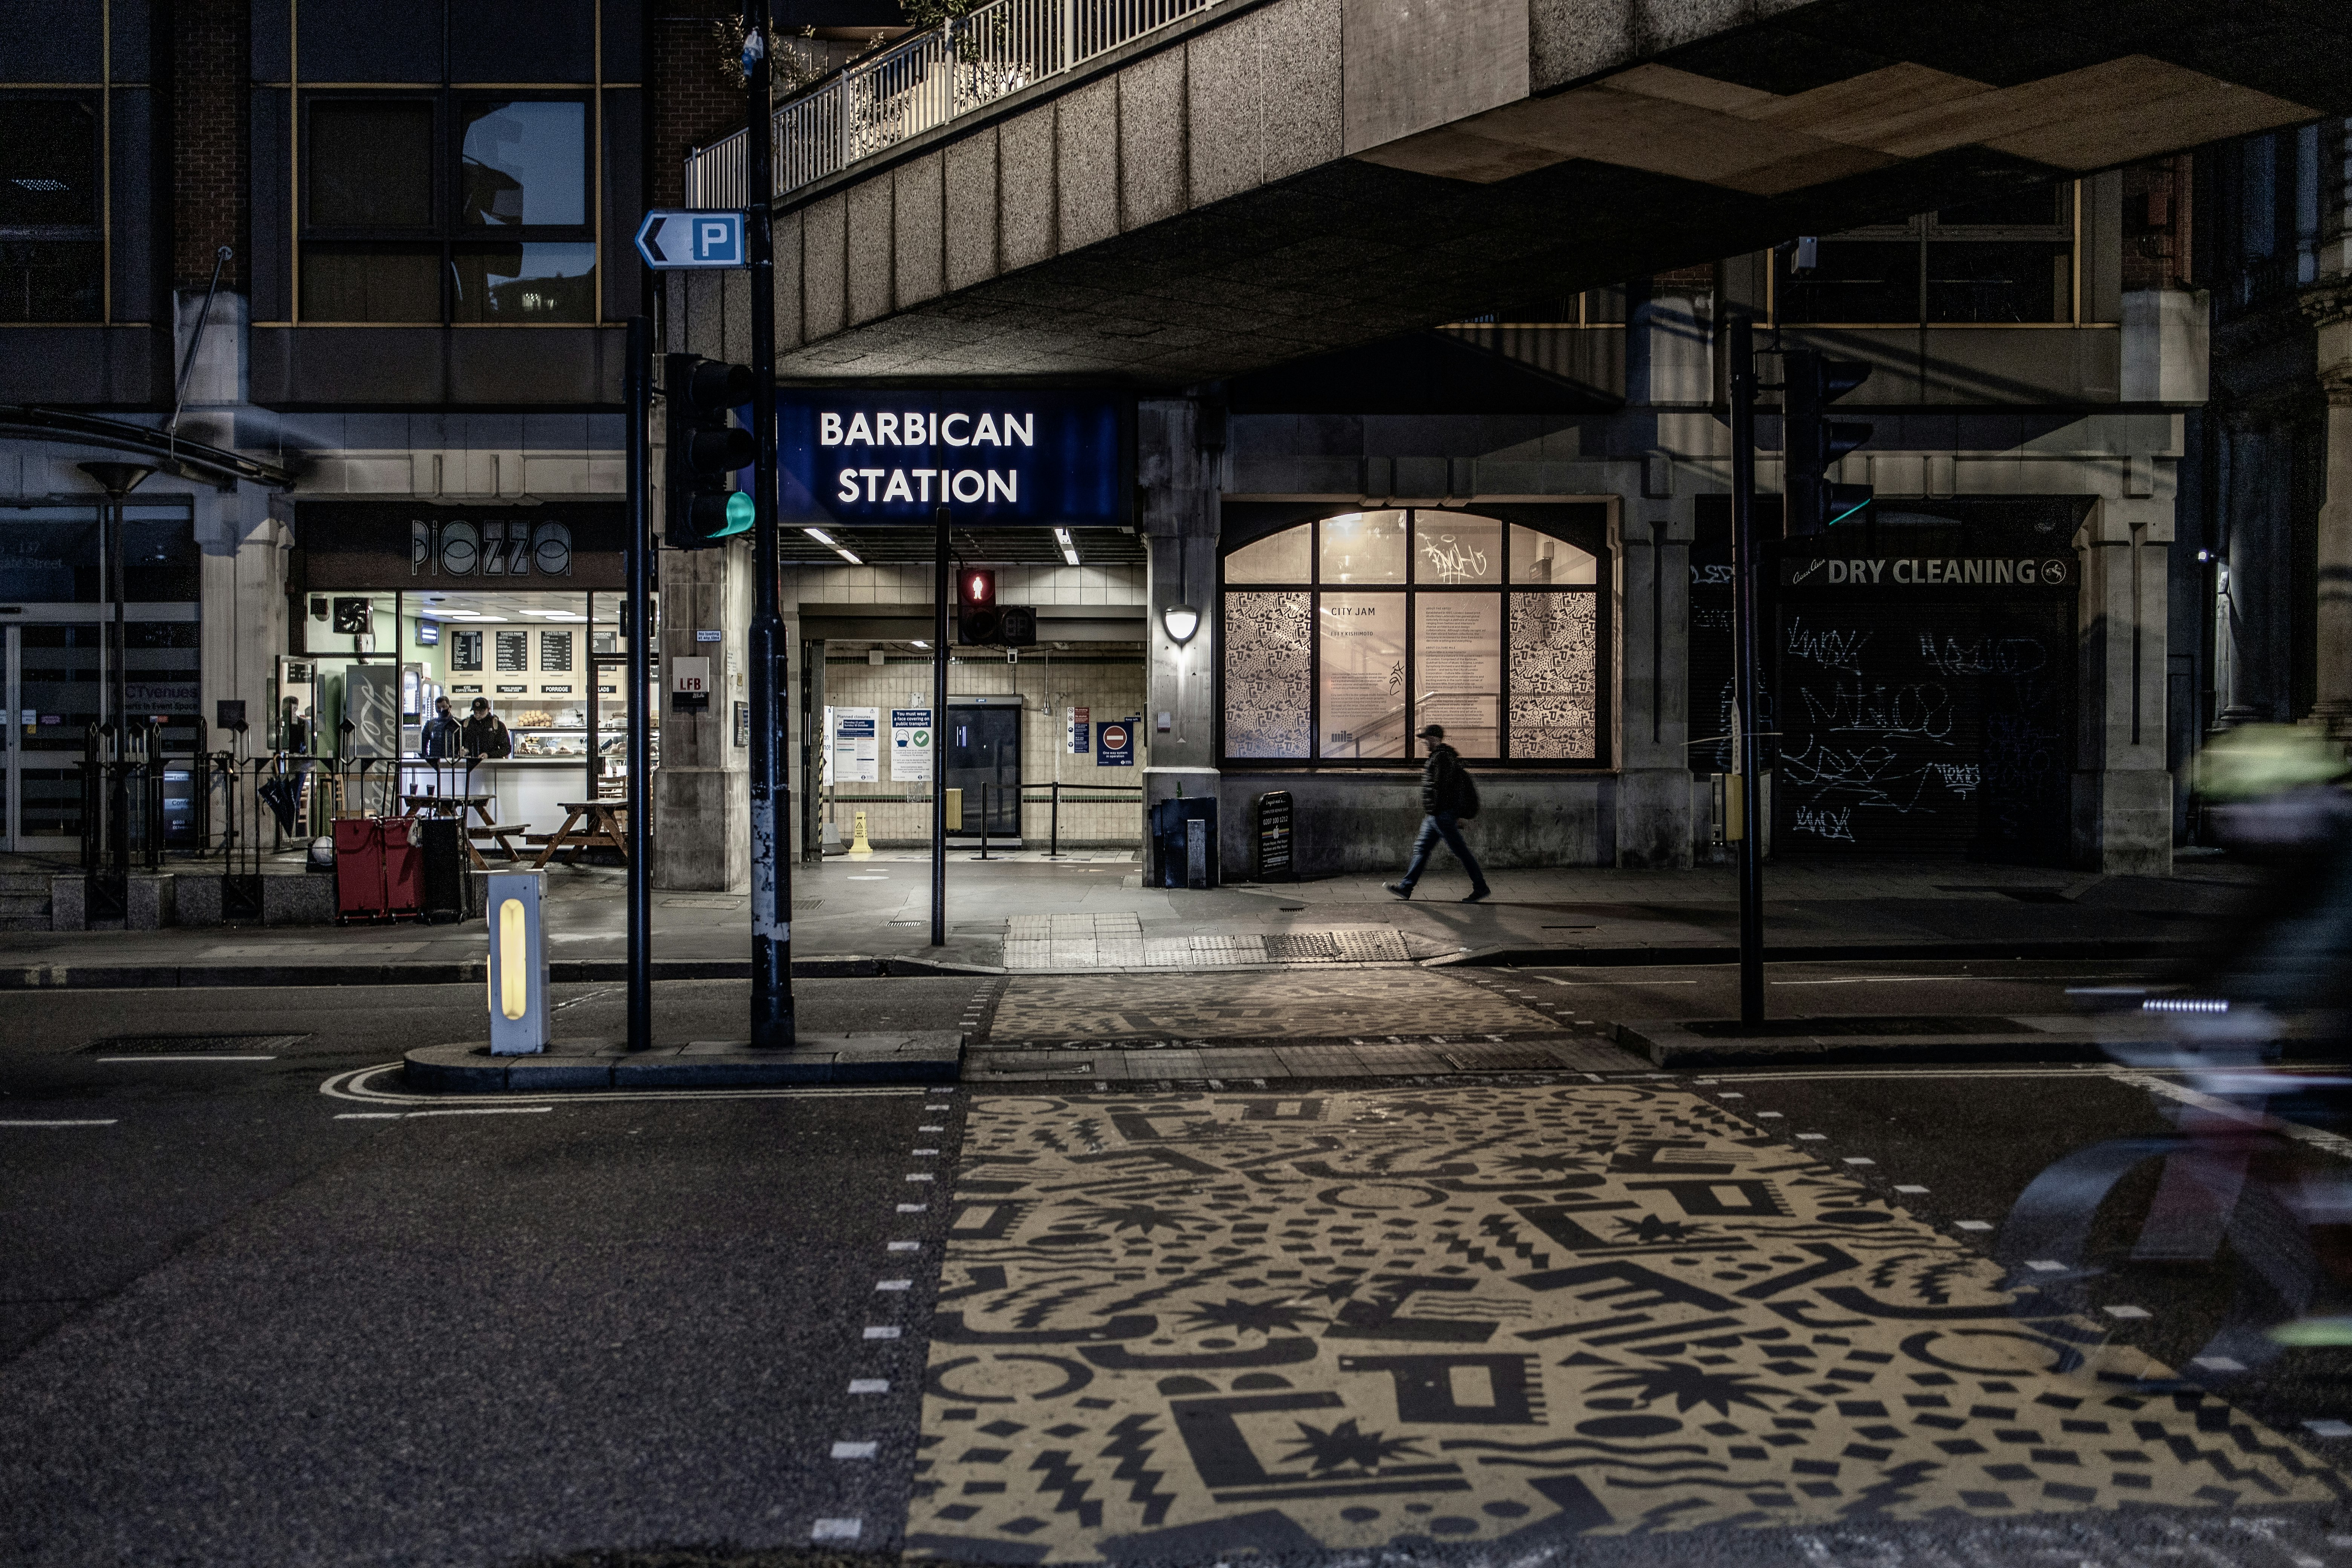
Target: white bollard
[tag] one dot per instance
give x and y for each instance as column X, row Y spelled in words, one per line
column 518, row 969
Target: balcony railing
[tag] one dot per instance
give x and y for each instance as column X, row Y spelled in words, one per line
column 924, row 82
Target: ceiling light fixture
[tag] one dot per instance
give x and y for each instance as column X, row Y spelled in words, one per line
column 1069, row 546
column 822, row 537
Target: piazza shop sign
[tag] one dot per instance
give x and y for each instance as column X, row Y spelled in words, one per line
column 995, row 459
column 1929, row 572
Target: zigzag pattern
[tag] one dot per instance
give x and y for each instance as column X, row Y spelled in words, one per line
column 1505, row 1232
column 1061, row 1476
column 1130, row 1445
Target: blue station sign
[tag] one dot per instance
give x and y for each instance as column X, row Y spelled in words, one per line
column 997, row 458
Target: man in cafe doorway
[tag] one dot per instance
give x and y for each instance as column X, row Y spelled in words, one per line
column 1448, row 799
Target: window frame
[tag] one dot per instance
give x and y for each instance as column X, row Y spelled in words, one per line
column 96, row 100
column 1924, row 229
column 1536, row 519
column 449, row 234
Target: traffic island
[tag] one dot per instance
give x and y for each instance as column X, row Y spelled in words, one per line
column 920, row 1055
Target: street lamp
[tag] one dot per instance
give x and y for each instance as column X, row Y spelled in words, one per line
column 118, row 481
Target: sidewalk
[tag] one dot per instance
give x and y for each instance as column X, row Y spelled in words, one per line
column 1025, row 914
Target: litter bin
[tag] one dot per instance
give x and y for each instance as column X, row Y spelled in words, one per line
column 1184, row 842
column 446, row 886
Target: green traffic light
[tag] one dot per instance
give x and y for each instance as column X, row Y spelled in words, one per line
column 740, row 512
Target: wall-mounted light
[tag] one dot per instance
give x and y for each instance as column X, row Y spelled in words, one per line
column 1181, row 621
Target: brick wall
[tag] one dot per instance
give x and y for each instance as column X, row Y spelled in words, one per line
column 208, row 139
column 2156, row 227
column 691, row 100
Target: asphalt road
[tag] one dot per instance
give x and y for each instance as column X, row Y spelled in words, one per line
column 244, row 1319
column 1634, row 991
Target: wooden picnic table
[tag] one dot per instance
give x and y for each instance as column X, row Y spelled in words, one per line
column 457, row 806
column 608, row 829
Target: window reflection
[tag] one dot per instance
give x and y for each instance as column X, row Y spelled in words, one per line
column 1362, row 682
column 1540, row 558
column 370, row 164
column 1364, row 547
column 524, row 163
column 1451, row 548
column 544, row 282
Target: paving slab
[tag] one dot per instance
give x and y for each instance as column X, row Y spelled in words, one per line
column 915, row 1056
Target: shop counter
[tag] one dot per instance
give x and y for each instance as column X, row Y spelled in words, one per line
column 526, row 793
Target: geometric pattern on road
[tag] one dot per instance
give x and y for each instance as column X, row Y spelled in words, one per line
column 1178, row 1326
column 1287, row 1003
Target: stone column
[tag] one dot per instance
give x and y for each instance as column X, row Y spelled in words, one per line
column 1653, row 613
column 2123, row 791
column 701, row 826
column 1180, row 486
column 2333, row 632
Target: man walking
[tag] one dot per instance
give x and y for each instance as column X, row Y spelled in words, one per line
column 1448, row 799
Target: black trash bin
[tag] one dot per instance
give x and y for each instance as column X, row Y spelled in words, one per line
column 1184, row 842
column 447, row 888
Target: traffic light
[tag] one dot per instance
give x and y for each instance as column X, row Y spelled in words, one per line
column 976, row 617
column 1016, row 627
column 1810, row 441
column 706, row 451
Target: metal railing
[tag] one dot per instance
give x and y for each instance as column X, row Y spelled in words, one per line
column 924, row 82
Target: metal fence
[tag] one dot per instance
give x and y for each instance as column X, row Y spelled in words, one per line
column 925, row 82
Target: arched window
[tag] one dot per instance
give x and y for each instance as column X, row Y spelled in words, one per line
column 1343, row 637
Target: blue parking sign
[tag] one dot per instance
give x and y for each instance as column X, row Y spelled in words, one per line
column 672, row 240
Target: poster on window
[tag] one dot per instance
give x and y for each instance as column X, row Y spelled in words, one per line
column 1363, row 679
column 856, row 748
column 910, row 745
column 1458, row 669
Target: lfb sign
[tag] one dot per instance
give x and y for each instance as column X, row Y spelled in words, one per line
column 996, row 457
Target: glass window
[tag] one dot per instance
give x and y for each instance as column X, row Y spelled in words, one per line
column 1856, row 280
column 370, row 164
column 160, row 560
column 49, row 555
column 537, row 282
column 1363, row 547
column 2039, row 205
column 52, row 280
column 2014, row 281
column 1337, row 673
column 48, row 164
column 1457, row 662
column 1453, row 548
column 371, row 283
column 524, row 163
column 1362, row 685
column 1286, row 557
column 2005, row 260
column 1540, row 558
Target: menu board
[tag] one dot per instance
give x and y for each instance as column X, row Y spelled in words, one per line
column 514, row 652
column 1362, row 680
column 465, row 650
column 555, row 652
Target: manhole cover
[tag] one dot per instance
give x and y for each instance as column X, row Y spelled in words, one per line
column 193, row 1045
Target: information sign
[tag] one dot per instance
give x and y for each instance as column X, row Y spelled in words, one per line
column 675, row 241
column 1082, row 738
column 1115, row 743
column 910, row 745
column 856, row 749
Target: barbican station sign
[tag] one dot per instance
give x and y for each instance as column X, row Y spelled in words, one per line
column 996, row 460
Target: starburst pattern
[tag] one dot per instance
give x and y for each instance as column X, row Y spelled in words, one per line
column 1690, row 1386
column 1265, row 1317
column 1344, row 1445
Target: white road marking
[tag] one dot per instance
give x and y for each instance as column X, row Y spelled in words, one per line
column 855, row 1450
column 836, row 1530
column 1727, row 1094
column 2044, row 1265
column 923, row 1150
column 1881, row 980
column 869, row 1385
column 2220, row 1363
column 359, row 1085
column 2327, row 1426
column 906, row 1247
column 880, row 1331
column 482, row 1111
column 1971, row 1225
column 207, row 1057
column 893, row 1284
column 2127, row 1311
column 2334, row 1143
column 369, row 1115
column 108, row 1121
column 912, row 1208
column 1858, row 1160
column 1771, row 1116
column 1914, row 1189
column 1811, row 1137
column 932, row 1127
column 918, row 1176
column 1616, row 984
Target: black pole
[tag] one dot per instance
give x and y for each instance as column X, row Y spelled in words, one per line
column 1746, row 725
column 1053, row 833
column 636, row 617
column 772, row 871
column 939, row 729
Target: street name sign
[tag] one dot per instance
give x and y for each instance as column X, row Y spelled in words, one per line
column 676, row 241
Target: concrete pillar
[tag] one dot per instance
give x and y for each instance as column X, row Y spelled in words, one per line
column 2123, row 791
column 701, row 793
column 2333, row 633
column 1653, row 613
column 1180, row 486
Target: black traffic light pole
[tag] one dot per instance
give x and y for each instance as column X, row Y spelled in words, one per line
column 633, row 611
column 938, row 730
column 1746, row 729
column 771, row 873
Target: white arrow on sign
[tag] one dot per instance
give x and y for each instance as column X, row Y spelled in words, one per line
column 672, row 240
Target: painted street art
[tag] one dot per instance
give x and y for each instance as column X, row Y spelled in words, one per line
column 1180, row 1325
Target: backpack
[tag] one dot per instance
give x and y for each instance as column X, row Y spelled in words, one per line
column 1466, row 793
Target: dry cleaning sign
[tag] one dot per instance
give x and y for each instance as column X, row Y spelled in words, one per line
column 1929, row 572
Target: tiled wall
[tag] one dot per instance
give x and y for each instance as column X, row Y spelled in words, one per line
column 812, row 586
column 1049, row 685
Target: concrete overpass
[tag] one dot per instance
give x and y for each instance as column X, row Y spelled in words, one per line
column 1267, row 179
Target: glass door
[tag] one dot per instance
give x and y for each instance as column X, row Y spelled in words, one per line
column 61, row 683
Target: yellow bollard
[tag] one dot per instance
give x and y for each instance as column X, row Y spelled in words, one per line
column 955, row 811
column 857, row 845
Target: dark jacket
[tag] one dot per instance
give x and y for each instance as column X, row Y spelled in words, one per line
column 441, row 737
column 486, row 736
column 1442, row 785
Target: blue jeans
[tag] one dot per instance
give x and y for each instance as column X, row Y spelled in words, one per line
column 1432, row 829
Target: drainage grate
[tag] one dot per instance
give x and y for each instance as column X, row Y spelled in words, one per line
column 191, row 1044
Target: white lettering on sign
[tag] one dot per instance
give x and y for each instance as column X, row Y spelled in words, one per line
column 1932, row 572
column 915, row 484
column 916, row 429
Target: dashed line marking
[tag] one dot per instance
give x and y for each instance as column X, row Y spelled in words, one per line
column 108, row 1121
column 913, row 1209
column 2127, row 1311
column 1914, row 1191
column 1971, row 1225
column 906, row 1247
column 836, row 1530
column 918, row 1176
column 869, row 1385
column 855, row 1450
column 183, row 1058
column 893, row 1284
column 881, row 1331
